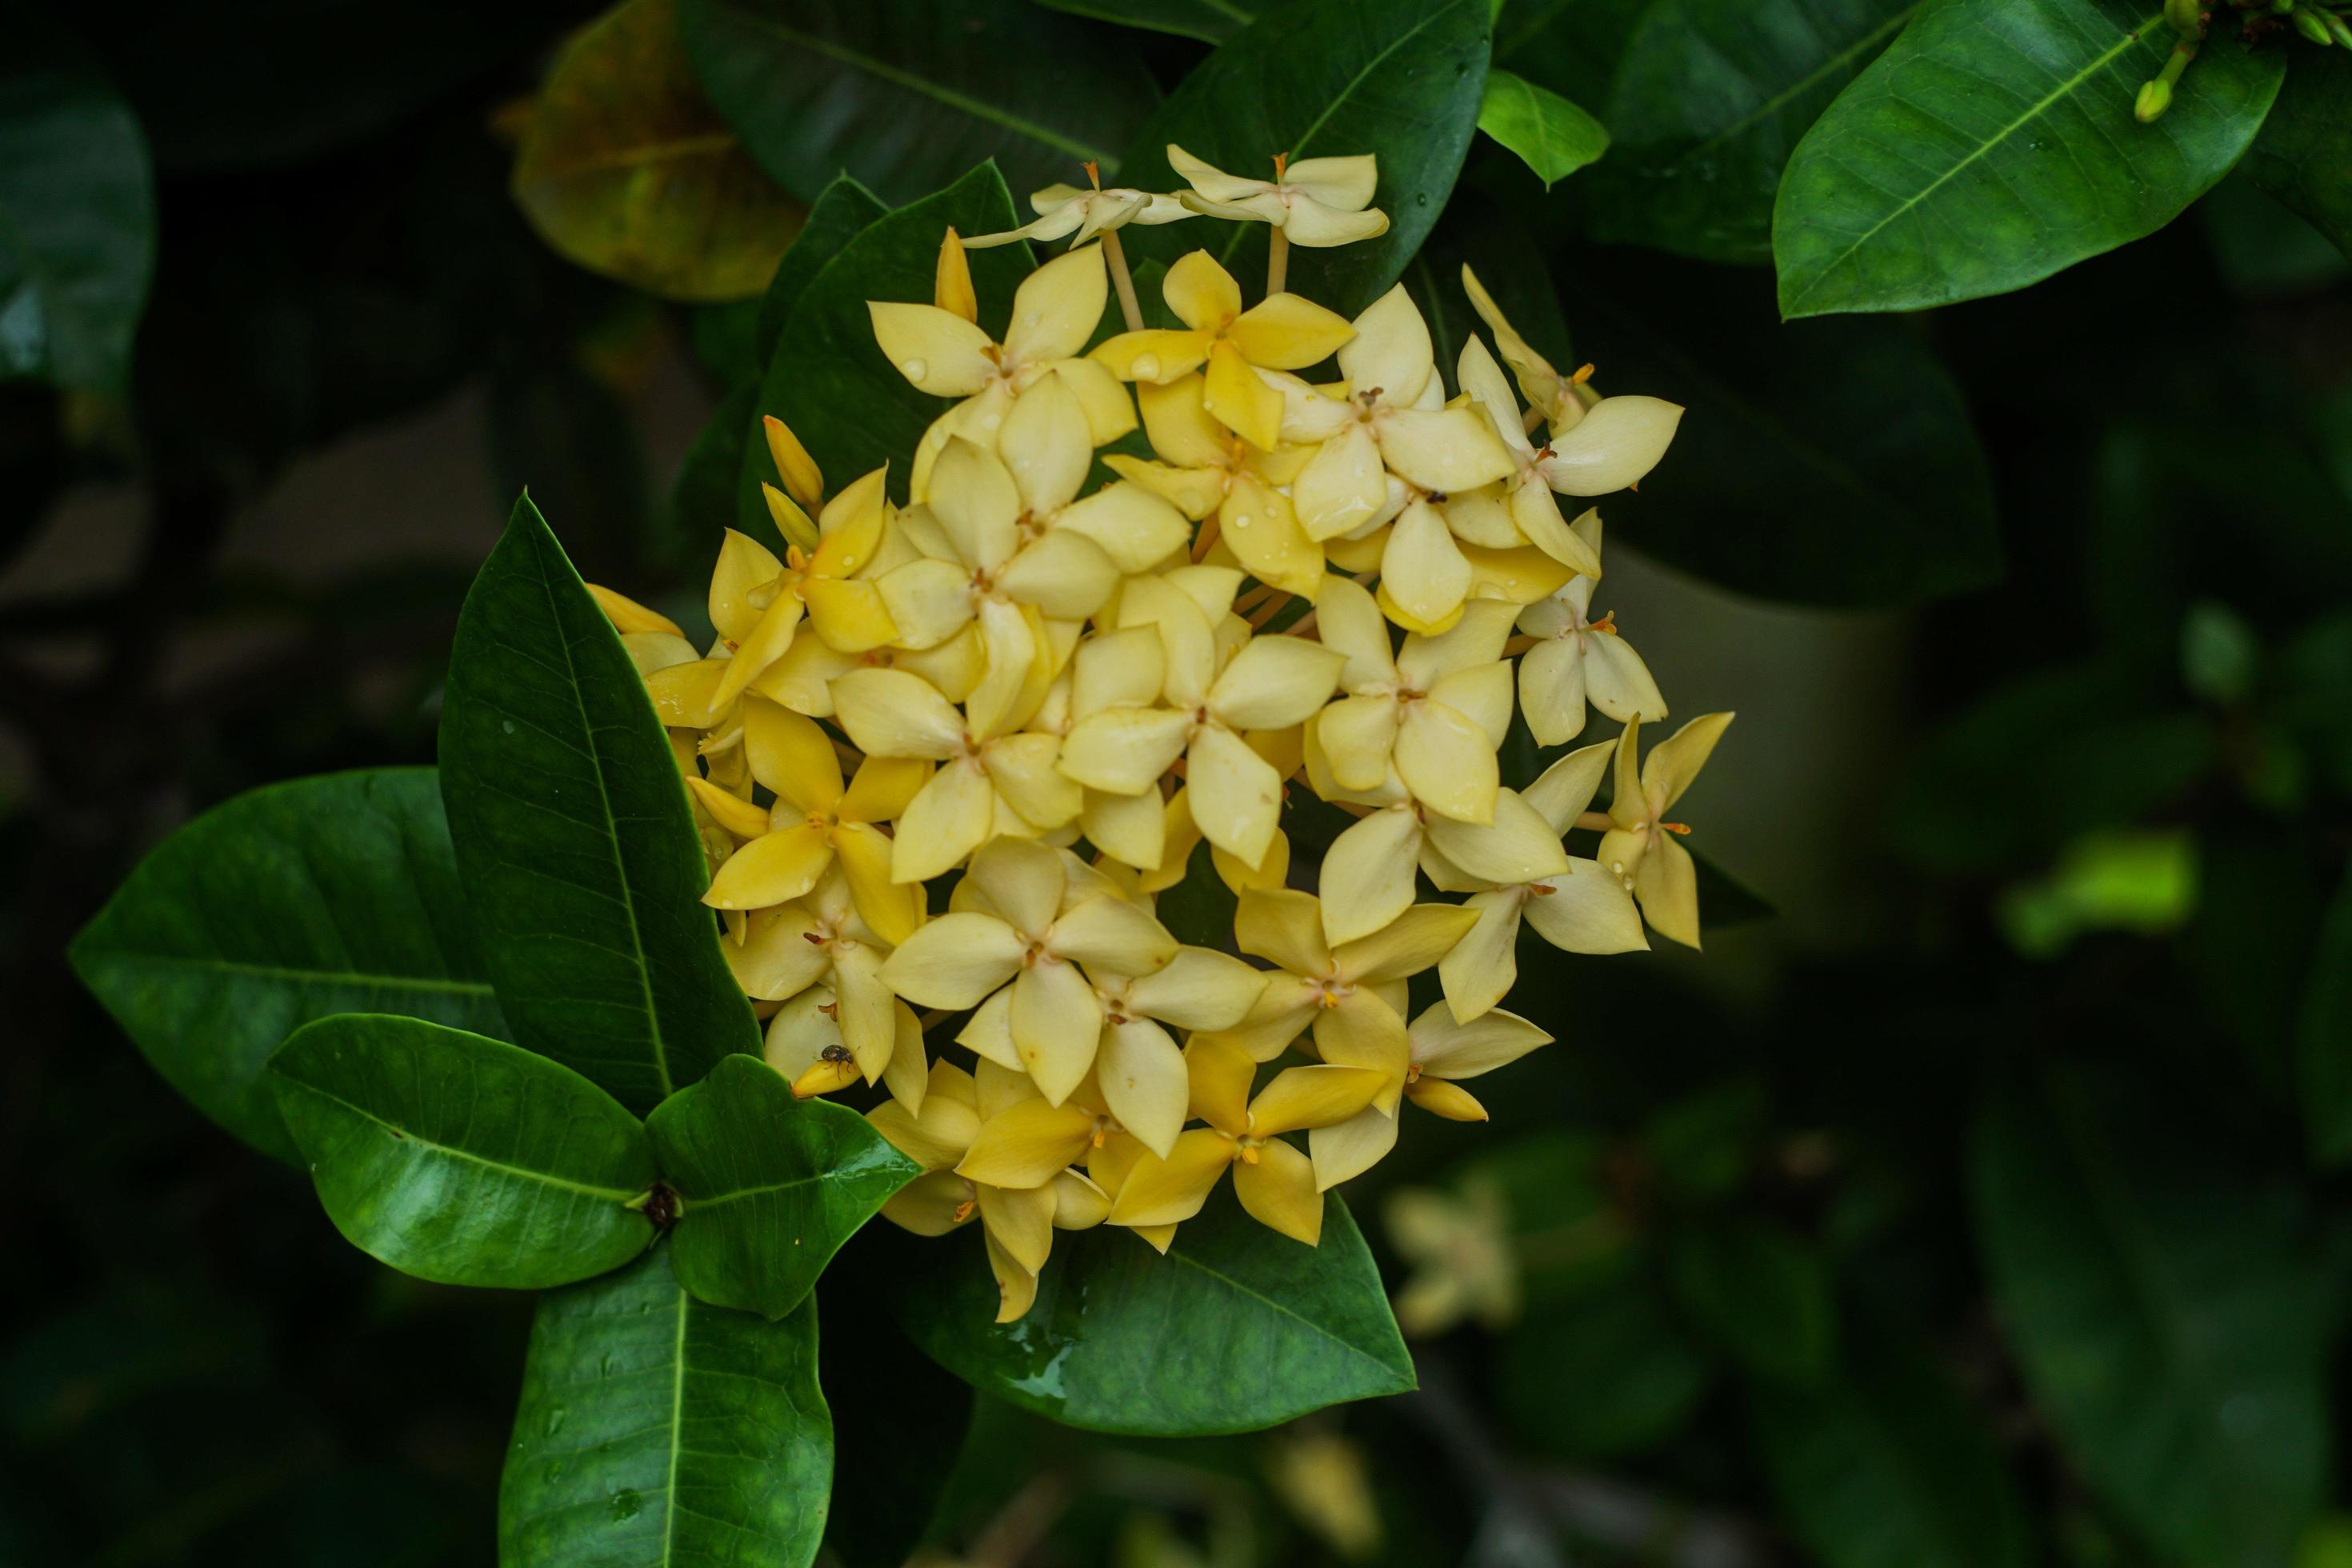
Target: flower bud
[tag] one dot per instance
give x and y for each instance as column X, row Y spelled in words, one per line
column 2155, row 97
column 2308, row 23
column 2185, row 17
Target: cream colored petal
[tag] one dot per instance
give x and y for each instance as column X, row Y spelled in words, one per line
column 650, row 651
column 1618, row 441
column 939, row 353
column 1047, row 446
column 935, row 1137
column 1619, row 682
column 1023, row 882
column 1443, row 449
column 1356, row 737
column 1479, row 971
column 1109, row 407
column 1346, row 1150
column 1021, row 768
column 889, row 713
column 1236, row 797
column 1311, row 223
column 1536, row 515
column 1674, row 762
column 1124, row 668
column 1056, row 307
column 1411, row 942
column 868, row 1015
column 947, row 820
column 1343, row 485
column 775, row 959
column 1551, row 690
column 1188, row 647
column 1447, row 761
column 1124, row 750
column 1422, row 569
column 1391, row 356
column 1367, row 878
column 1563, row 791
column 928, row 601
column 1277, row 1189
column 1482, row 695
column 1257, row 524
column 1282, row 1013
column 1198, row 988
column 1169, row 1191
column 954, row 961
column 1587, row 911
column 1024, row 1145
column 1518, row 846
column 1275, row 682
column 1129, row 829
column 1283, row 927
column 1111, row 936
column 1056, row 1021
column 1476, row 641
column 1079, row 1203
column 988, row 1033
column 1479, row 376
column 1345, row 184
column 1143, row 1081
column 1136, row 528
column 1008, row 634
column 973, row 499
column 931, row 1204
column 1667, row 886
column 1444, row 1048
column 908, row 1077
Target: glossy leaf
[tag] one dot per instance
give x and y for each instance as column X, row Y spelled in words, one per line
column 829, row 381
column 2168, row 1308
column 1235, row 1329
column 1401, row 80
column 1993, row 145
column 462, row 1159
column 657, row 1429
column 77, row 216
column 574, row 834
column 772, row 1186
column 627, row 169
column 1210, row 21
column 1571, row 47
column 1550, row 134
column 840, row 214
column 2324, row 1035
column 2303, row 156
column 906, row 98
column 1756, row 1293
column 336, row 894
column 1844, row 445
column 1709, row 97
column 1887, row 1466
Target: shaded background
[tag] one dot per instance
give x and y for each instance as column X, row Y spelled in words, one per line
column 1977, row 1206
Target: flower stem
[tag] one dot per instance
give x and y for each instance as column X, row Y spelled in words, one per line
column 1116, row 253
column 1277, row 260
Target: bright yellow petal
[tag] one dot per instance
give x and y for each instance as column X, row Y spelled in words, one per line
column 1240, row 401
column 1342, row 487
column 1666, row 883
column 1024, row 1145
column 1218, row 1075
column 791, row 756
column 737, row 816
column 883, row 787
column 627, row 615
column 773, row 869
column 1201, row 294
column 1144, row 1082
column 1154, row 356
column 1016, row 1288
column 1284, row 927
column 948, row 820
column 1056, row 306
column 1286, row 331
column 1279, row 1189
column 893, row 909
column 744, row 565
column 939, row 352
column 1257, row 524
column 850, row 617
column 1021, row 768
column 1171, row 1190
column 1019, row 1220
column 1297, row 1099
column 1674, row 762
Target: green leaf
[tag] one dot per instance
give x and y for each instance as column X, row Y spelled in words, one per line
column 2166, row 1308
column 1235, row 1329
column 1571, row 47
column 1993, row 145
column 1887, row 1466
column 1552, row 136
column 657, row 1431
column 841, row 212
column 2303, row 156
column 77, row 216
column 1709, row 97
column 703, row 496
column 1845, row 444
column 1398, row 78
column 625, row 169
column 1756, row 1293
column 574, row 836
column 770, row 1186
column 1210, row 21
column 1599, row 1378
column 829, row 381
column 336, row 894
column 2324, row 1035
column 1480, row 231
column 906, row 98
column 462, row 1159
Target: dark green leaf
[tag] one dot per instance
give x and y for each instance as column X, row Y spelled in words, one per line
column 1756, row 1293
column 625, row 169
column 462, row 1159
column 1550, row 134
column 1599, row 1378
column 2324, row 1035
column 839, row 215
column 2261, row 248
column 564, row 434
column 1702, row 1143
column 2303, row 156
column 77, row 216
column 1199, row 910
column 829, row 381
column 702, row 498
column 772, row 1186
column 1993, row 145
column 2167, row 1309
column 906, row 98
column 1710, row 96
column 1724, row 899
column 657, row 1431
column 1398, row 78
column 1887, row 1466
column 336, row 894
column 1235, row 1329
column 573, row 834
column 1844, row 445
column 1210, row 21
column 1571, row 47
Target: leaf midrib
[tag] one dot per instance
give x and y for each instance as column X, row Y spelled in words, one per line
column 1231, row 1283
column 300, row 977
column 406, row 1135
column 2065, row 89
column 1797, row 88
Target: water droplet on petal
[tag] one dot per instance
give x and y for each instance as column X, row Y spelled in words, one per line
column 1242, row 519
column 1030, row 319
column 915, row 369
column 1146, row 368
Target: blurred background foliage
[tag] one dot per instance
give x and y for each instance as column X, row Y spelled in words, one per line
column 1982, row 1205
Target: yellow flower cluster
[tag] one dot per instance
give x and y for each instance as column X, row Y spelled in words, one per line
column 1053, row 689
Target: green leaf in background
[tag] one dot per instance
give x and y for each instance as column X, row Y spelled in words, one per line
column 894, row 1443
column 2303, row 156
column 1709, row 97
column 77, row 216
column 1398, row 78
column 1844, row 446
column 335, row 894
column 829, row 381
column 1993, row 145
column 2324, row 1035
column 771, row 1185
column 1210, row 21
column 842, row 212
column 2166, row 1307
column 656, row 1429
column 1571, row 47
column 1235, row 1329
column 1551, row 136
column 907, row 98
column 462, row 1159
column 572, row 832
column 1600, row 1377
column 568, row 438
column 1756, row 1293
column 627, row 169
column 703, row 496
column 1886, row 1466
column 1482, row 232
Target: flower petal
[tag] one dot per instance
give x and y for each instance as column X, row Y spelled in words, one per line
column 1198, row 988
column 1056, row 307
column 1408, row 944
column 1169, row 1191
column 771, row 869
column 1367, row 874
column 937, row 350
column 1235, row 796
column 1144, row 1082
column 1057, row 1019
column 1444, row 1048
column 1278, row 1190
column 1024, row 1145
column 1300, row 1098
column 954, row 961
column 1479, row 970
column 1346, row 1150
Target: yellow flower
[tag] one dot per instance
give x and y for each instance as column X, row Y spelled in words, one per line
column 1275, row 1181
column 1314, row 202
column 1025, row 937
column 813, row 823
column 1640, row 846
column 821, row 938
column 805, row 1043
column 1459, row 1250
column 1534, row 513
column 1580, row 908
column 804, row 484
column 1054, row 312
column 1281, row 332
column 1205, row 468
column 1441, row 1051
column 1434, row 714
column 756, row 600
column 1065, row 210
column 1368, row 871
column 1579, row 659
